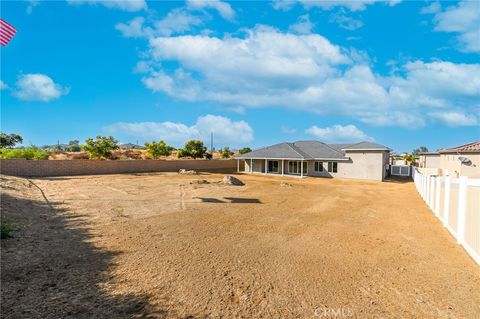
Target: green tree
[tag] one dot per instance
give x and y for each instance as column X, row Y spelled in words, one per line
column 157, row 149
column 101, row 147
column 410, row 158
column 419, row 150
column 9, row 140
column 73, row 146
column 245, row 150
column 194, row 149
column 226, row 153
column 29, row 153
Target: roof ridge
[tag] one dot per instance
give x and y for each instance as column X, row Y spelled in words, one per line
column 333, row 148
column 461, row 146
column 290, row 145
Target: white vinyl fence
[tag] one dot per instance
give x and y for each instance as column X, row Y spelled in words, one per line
column 456, row 202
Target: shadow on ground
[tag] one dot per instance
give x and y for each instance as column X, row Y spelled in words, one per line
column 50, row 270
column 230, row 200
column 398, row 179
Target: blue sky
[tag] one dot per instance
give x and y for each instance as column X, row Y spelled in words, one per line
column 400, row 73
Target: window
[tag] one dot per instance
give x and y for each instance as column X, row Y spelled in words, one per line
column 294, row 167
column 332, row 167
column 273, row 166
column 318, row 166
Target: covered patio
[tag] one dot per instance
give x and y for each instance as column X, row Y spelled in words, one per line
column 275, row 166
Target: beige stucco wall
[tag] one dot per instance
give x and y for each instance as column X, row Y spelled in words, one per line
column 451, row 163
column 429, row 161
column 362, row 165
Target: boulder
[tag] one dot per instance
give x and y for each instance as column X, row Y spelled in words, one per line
column 187, row 172
column 285, row 184
column 230, row 180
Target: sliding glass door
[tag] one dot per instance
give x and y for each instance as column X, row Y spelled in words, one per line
column 295, row 167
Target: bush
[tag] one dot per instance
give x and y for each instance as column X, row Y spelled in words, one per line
column 9, row 140
column 245, row 150
column 6, row 230
column 101, row 147
column 208, row 156
column 157, row 149
column 73, row 146
column 226, row 153
column 194, row 149
column 29, row 153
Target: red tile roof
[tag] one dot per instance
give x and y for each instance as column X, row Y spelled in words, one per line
column 470, row 147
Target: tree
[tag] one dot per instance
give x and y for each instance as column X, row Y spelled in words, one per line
column 101, row 147
column 193, row 148
column 245, row 150
column 226, row 153
column 157, row 149
column 419, row 150
column 9, row 140
column 410, row 158
column 73, row 146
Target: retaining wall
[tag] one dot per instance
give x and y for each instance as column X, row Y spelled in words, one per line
column 44, row 168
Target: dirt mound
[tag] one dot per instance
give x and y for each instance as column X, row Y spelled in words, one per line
column 230, row 180
column 285, row 184
column 187, row 172
column 200, row 181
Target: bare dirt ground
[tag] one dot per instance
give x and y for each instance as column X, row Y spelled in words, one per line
column 170, row 246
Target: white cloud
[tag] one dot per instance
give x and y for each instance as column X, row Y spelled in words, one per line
column 346, row 22
column 226, row 132
column 338, row 133
column 268, row 68
column 31, row 5
column 38, row 87
column 3, row 85
column 125, row 5
column 176, row 21
column 454, row 118
column 283, row 5
column 463, row 19
column 353, row 5
column 303, row 25
column 223, row 8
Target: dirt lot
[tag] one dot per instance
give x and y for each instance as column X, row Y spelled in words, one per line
column 168, row 245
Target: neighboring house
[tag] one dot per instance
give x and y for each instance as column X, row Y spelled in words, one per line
column 463, row 160
column 364, row 160
column 429, row 160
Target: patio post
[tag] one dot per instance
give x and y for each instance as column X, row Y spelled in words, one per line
column 251, row 166
column 301, row 169
column 282, row 167
column 266, row 166
column 238, row 166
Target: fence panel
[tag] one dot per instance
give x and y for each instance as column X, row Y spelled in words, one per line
column 456, row 202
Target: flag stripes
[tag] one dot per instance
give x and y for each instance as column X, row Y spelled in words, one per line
column 7, row 31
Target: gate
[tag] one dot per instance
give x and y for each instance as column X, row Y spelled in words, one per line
column 400, row 170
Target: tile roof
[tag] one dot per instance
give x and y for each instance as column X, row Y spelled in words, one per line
column 309, row 150
column 470, row 147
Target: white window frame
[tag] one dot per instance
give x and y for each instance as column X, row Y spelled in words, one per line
column 330, row 167
column 299, row 168
column 320, row 164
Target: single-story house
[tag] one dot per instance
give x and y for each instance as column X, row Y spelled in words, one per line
column 364, row 160
column 462, row 160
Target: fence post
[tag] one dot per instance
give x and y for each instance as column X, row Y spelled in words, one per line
column 437, row 195
column 446, row 205
column 433, row 185
column 462, row 209
column 427, row 193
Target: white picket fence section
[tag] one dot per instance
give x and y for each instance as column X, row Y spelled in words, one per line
column 456, row 202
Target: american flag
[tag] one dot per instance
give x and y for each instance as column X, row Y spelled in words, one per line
column 7, row 32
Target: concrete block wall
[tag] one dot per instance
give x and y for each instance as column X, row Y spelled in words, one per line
column 45, row 168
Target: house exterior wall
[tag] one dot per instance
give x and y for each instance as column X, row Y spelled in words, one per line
column 429, row 161
column 370, row 165
column 451, row 163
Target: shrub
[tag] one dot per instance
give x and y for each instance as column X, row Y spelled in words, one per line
column 101, row 147
column 6, row 230
column 226, row 153
column 157, row 149
column 193, row 148
column 208, row 156
column 245, row 150
column 9, row 140
column 29, row 153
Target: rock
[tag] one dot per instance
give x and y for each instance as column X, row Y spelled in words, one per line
column 230, row 180
column 285, row 184
column 187, row 172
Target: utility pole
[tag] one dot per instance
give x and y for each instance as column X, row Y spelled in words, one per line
column 211, row 142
